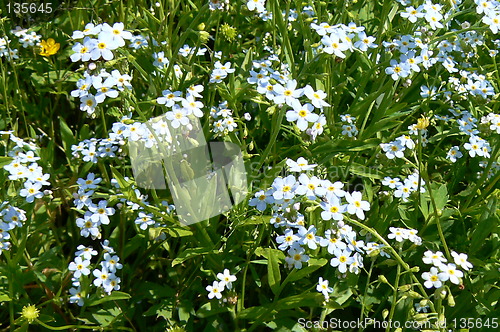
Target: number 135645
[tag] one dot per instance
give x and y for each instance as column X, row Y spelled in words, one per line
column 32, row 8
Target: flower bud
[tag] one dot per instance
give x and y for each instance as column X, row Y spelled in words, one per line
column 404, row 288
column 382, row 279
column 451, row 300
column 414, row 294
column 385, row 313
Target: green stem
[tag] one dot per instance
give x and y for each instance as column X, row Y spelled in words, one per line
column 398, row 258
column 85, row 327
column 11, row 290
column 241, row 302
column 366, row 291
column 394, row 297
column 480, row 182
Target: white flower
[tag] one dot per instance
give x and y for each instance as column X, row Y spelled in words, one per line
column 356, row 204
column 433, row 18
column 436, row 258
column 215, row 290
column 310, row 187
column 88, row 226
column 287, row 240
column 308, row 237
column 333, row 188
column 303, row 114
column 403, row 191
column 90, row 29
column 397, row 70
column 450, row 272
column 101, row 212
column 76, row 296
column 169, row 98
column 261, row 200
column 217, row 76
column 224, row 67
column 365, row 42
column 226, row 278
column 412, row 14
column 332, row 242
column 144, row 220
column 101, row 276
column 90, row 183
column 85, row 252
column 258, row 5
column 288, row 94
column 103, row 47
column 356, row 264
column 432, row 278
column 111, row 284
column 332, row 209
column 333, row 45
column 79, row 266
column 413, row 237
column 461, row 260
column 454, row 153
column 391, row 182
column 397, row 233
column 192, row 106
column 341, row 260
column 116, row 33
column 82, row 51
column 406, row 141
column 349, row 130
column 474, row 146
column 393, row 149
column 88, row 103
column 316, row 97
column 111, row 263
column 323, row 288
column 178, row 116
column 300, row 165
column 296, row 257
column 284, row 188
column 31, row 191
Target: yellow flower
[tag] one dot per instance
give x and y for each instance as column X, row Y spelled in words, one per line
column 30, row 313
column 49, row 47
column 422, row 123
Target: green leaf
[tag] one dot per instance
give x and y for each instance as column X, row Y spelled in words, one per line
column 4, row 297
column 5, row 161
column 68, row 139
column 273, row 270
column 253, row 312
column 119, row 177
column 424, row 206
column 264, row 252
column 105, row 317
column 255, row 220
column 441, row 197
column 364, row 171
column 485, row 225
column 114, row 296
column 190, row 253
column 177, row 231
column 210, row 309
column 345, row 145
column 307, row 299
column 314, row 264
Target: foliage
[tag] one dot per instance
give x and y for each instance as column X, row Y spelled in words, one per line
column 400, row 140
